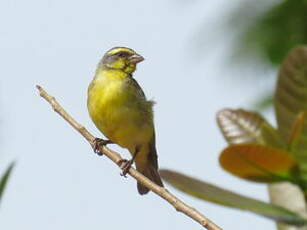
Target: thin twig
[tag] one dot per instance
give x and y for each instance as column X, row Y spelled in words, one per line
column 179, row 205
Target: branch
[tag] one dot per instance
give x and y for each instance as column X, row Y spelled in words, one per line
column 179, row 205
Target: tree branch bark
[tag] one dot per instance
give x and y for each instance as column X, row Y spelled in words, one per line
column 179, row 205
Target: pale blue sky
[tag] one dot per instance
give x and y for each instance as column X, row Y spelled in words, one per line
column 58, row 182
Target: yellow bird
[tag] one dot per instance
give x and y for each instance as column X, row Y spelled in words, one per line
column 120, row 110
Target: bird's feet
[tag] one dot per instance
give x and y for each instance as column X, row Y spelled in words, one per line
column 125, row 165
column 100, row 142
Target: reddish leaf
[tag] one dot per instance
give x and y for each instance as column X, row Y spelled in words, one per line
column 258, row 163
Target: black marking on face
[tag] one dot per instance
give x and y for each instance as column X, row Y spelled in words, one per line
column 110, row 58
column 123, row 54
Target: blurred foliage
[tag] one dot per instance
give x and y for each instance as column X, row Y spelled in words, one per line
column 259, row 152
column 263, row 102
column 273, row 32
column 4, row 178
column 215, row 194
column 267, row 30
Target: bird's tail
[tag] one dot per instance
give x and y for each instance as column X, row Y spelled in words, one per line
column 151, row 173
column 149, row 168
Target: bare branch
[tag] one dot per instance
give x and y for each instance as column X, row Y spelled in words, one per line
column 179, row 205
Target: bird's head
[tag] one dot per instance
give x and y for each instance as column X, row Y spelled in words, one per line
column 121, row 58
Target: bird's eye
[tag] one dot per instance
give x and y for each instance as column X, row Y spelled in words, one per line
column 121, row 55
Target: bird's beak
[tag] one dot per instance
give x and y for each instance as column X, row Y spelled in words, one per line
column 135, row 58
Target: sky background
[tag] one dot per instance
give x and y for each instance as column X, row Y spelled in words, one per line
column 59, row 183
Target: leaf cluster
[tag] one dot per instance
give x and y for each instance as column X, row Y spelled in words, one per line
column 258, row 151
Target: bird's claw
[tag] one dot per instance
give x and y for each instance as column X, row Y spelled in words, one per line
column 100, row 142
column 125, row 165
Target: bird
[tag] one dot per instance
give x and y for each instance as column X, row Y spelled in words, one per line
column 120, row 110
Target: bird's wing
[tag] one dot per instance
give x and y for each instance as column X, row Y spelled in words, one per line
column 152, row 156
column 149, row 168
column 138, row 88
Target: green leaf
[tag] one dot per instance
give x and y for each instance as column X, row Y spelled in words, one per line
column 291, row 90
column 258, row 163
column 291, row 99
column 4, row 179
column 298, row 144
column 212, row 193
column 241, row 127
column 297, row 131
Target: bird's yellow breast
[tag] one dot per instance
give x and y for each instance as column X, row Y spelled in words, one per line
column 117, row 111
